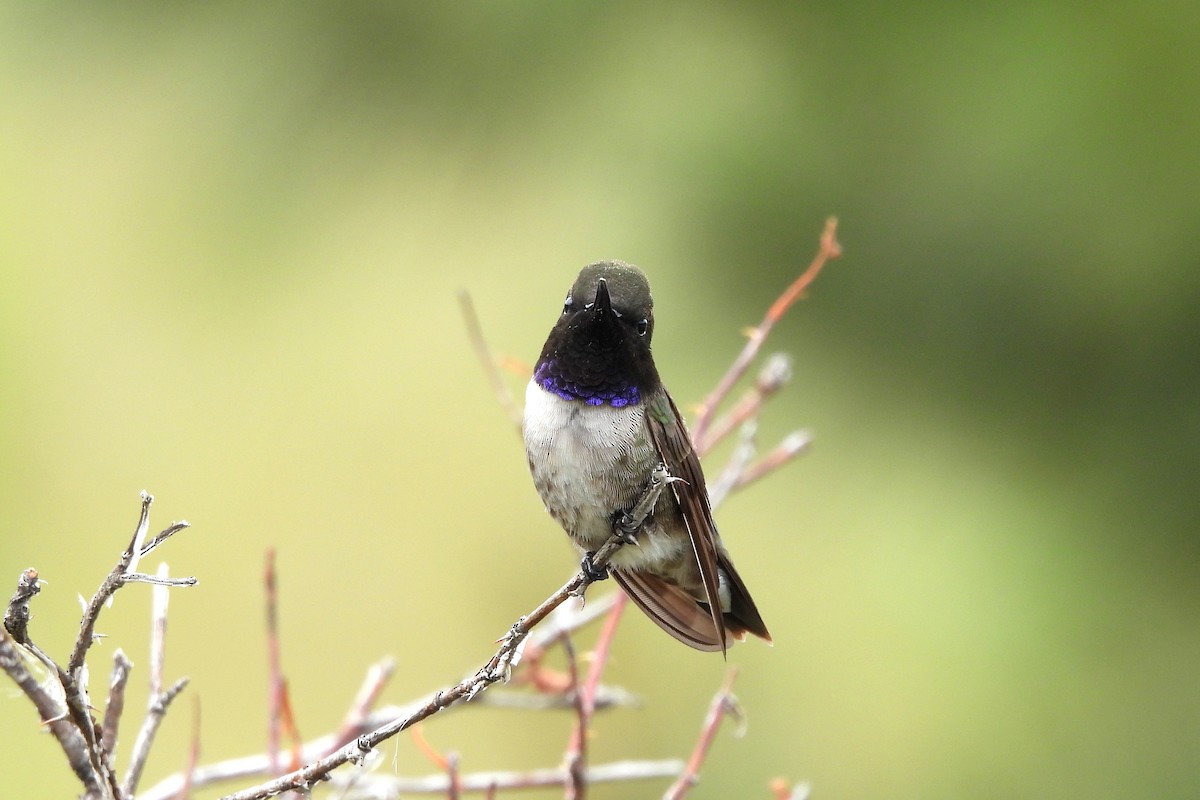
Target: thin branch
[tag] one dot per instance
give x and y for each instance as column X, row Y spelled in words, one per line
column 575, row 759
column 173, row 529
column 155, row 580
column 274, row 669
column 606, row 697
column 496, row 669
column 723, row 704
column 791, row 446
column 159, row 602
column 447, row 763
column 193, row 753
column 375, row 786
column 145, row 738
column 116, row 700
column 743, row 454
column 87, row 626
column 484, row 353
column 454, row 790
column 53, row 715
column 257, row 765
column 773, row 376
column 829, row 250
column 570, row 618
column 368, row 694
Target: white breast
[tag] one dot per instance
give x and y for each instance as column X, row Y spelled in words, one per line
column 587, row 461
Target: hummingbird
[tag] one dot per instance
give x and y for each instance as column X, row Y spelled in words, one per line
column 597, row 423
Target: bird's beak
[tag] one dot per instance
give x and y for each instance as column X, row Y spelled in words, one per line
column 602, row 305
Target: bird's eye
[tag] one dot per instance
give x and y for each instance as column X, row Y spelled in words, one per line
column 642, row 327
column 567, row 304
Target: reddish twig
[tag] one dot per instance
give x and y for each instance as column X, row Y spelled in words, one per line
column 495, row 670
column 575, row 759
column 368, row 694
column 723, row 704
column 275, row 685
column 454, row 790
column 829, row 250
column 585, row 695
column 193, row 753
column 447, row 763
column 773, row 376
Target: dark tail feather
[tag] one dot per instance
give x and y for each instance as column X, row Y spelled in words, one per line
column 687, row 619
column 672, row 609
column 743, row 616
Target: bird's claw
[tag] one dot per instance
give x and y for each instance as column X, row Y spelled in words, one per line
column 627, row 528
column 594, row 573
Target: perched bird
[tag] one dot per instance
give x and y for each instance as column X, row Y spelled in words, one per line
column 597, row 422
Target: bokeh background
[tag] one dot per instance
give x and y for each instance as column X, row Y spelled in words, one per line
column 231, row 235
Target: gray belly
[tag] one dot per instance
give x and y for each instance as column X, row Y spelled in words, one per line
column 587, row 461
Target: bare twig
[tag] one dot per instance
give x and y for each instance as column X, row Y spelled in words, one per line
column 606, row 697
column 377, row 786
column 454, row 790
column 368, row 694
column 94, row 763
column 155, row 580
column 829, row 250
column 87, row 625
column 723, row 704
column 495, row 670
column 727, row 480
column 484, row 353
column 161, row 696
column 145, row 738
column 773, row 376
column 116, row 700
column 193, row 752
column 174, row 528
column 791, row 446
column 576, row 755
column 159, row 602
column 53, row 715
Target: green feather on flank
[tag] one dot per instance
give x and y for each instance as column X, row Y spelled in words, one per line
column 660, row 409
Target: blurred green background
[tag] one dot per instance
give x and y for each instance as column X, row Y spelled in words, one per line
column 231, row 235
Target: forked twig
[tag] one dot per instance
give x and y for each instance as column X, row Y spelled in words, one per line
column 829, row 250
column 496, row 669
column 723, row 704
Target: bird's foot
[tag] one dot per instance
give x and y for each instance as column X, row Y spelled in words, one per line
column 594, row 573
column 626, row 527
column 627, row 524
